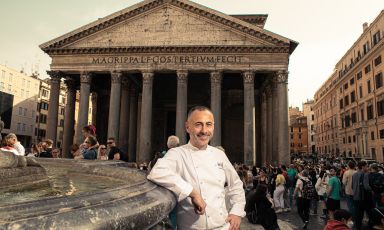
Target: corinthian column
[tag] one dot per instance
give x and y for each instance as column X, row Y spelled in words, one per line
column 275, row 116
column 132, row 136
column 269, row 123
column 53, row 108
column 114, row 106
column 249, row 118
column 124, row 116
column 282, row 92
column 181, row 105
column 146, row 119
column 69, row 120
column 264, row 127
column 85, row 90
column 215, row 79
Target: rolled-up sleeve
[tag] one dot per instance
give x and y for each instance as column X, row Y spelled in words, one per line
column 235, row 190
column 164, row 173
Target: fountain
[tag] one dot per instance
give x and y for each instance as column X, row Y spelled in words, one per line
column 71, row 194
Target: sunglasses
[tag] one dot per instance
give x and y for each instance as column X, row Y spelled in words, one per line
column 103, row 148
column 109, row 143
column 87, row 142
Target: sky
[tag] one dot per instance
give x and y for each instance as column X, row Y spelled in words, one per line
column 325, row 30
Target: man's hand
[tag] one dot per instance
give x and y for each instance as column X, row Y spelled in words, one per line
column 234, row 222
column 198, row 202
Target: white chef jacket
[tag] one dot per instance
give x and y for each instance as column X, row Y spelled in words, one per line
column 186, row 167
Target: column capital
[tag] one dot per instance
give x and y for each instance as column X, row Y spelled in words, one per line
column 148, row 77
column 116, row 77
column 55, row 76
column 125, row 82
column 182, row 75
column 249, row 77
column 70, row 83
column 216, row 77
column 85, row 77
column 281, row 76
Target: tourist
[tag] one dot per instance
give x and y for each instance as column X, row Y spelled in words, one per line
column 321, row 189
column 333, row 193
column 88, row 130
column 177, row 172
column 102, row 153
column 56, row 153
column 9, row 144
column 75, row 152
column 359, row 193
column 114, row 153
column 46, row 149
column 90, row 145
column 292, row 172
column 342, row 221
column 259, row 208
column 278, row 195
column 302, row 192
column 376, row 184
column 347, row 183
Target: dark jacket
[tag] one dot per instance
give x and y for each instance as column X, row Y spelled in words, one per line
column 90, row 154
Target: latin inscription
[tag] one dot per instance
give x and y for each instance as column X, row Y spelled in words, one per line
column 166, row 59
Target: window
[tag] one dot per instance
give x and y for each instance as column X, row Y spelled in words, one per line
column 369, row 112
column 369, row 86
column 341, row 103
column 346, row 100
column 347, row 120
column 313, row 117
column 341, row 89
column 372, row 135
column 378, row 60
column 299, row 136
column 291, row 136
column 359, row 75
column 25, row 111
column 291, row 129
column 354, row 138
column 352, row 81
column 362, row 114
column 346, row 86
column 367, row 69
column 62, row 110
column 43, row 118
column 361, row 91
column 380, row 108
column 20, row 111
column 365, row 48
column 44, row 105
column 376, row 38
column 353, row 117
column 44, row 93
column 379, row 80
column 61, row 123
column 382, row 134
column 353, row 97
column 299, row 129
column 349, row 139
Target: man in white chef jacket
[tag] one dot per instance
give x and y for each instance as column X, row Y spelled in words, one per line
column 196, row 173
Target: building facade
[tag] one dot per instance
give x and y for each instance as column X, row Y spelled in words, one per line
column 349, row 106
column 18, row 102
column 146, row 65
column 298, row 131
column 310, row 114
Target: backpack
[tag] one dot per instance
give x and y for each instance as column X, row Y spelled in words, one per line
column 308, row 191
column 377, row 183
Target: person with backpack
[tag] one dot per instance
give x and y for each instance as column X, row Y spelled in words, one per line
column 333, row 193
column 376, row 183
column 304, row 191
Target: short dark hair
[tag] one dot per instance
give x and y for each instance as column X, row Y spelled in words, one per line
column 111, row 138
column 351, row 164
column 198, row 108
column 341, row 214
column 361, row 164
column 92, row 140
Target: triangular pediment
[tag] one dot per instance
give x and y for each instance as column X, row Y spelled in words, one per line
column 166, row 23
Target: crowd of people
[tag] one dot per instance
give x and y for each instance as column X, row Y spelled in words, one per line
column 271, row 190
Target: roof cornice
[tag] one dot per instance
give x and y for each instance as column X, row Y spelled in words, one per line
column 147, row 5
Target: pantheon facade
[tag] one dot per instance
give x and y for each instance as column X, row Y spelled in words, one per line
column 144, row 66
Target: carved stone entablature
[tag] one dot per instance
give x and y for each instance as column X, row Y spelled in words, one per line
column 85, row 78
column 70, row 82
column 164, row 49
column 148, row 77
column 249, row 77
column 116, row 77
column 281, row 77
column 55, row 76
column 182, row 76
column 216, row 77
